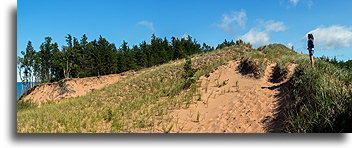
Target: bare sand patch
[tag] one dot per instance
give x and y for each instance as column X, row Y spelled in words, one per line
column 230, row 103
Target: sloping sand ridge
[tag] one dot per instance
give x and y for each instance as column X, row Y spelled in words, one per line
column 69, row 88
column 231, row 103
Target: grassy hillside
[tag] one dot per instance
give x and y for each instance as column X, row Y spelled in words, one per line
column 321, row 99
column 134, row 104
column 318, row 100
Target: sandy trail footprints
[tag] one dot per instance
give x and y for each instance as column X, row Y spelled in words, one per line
column 231, row 103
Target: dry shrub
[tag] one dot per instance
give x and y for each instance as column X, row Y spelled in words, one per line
column 280, row 72
column 252, row 67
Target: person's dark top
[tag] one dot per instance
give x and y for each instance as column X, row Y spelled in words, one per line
column 310, row 44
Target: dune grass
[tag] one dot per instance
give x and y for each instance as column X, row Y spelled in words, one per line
column 136, row 103
column 321, row 99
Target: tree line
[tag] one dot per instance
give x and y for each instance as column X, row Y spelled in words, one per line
column 81, row 58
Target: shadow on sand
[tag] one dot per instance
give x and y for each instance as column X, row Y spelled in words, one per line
column 275, row 124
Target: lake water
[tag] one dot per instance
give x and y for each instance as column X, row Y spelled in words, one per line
column 20, row 89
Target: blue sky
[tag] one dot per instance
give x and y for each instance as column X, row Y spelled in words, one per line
column 210, row 21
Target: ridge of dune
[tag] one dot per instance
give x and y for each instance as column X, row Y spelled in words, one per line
column 231, row 103
column 70, row 87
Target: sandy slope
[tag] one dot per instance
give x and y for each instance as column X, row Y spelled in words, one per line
column 243, row 105
column 69, row 88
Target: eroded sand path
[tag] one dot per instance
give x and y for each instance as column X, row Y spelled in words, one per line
column 230, row 103
column 69, row 88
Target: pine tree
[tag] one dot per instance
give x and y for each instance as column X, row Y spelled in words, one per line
column 45, row 60
column 26, row 65
column 143, row 61
column 177, row 48
column 57, row 64
column 168, row 49
column 83, row 57
column 68, row 57
column 136, row 57
column 76, row 58
column 122, row 56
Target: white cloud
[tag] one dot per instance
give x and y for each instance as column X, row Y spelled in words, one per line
column 148, row 25
column 294, row 2
column 256, row 37
column 227, row 21
column 274, row 26
column 260, row 35
column 290, row 45
column 332, row 37
column 310, row 3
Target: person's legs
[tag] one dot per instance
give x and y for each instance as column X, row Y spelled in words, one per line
column 311, row 52
column 312, row 61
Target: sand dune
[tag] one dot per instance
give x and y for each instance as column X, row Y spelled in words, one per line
column 230, row 103
column 69, row 88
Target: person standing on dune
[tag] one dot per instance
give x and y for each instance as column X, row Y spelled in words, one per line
column 311, row 48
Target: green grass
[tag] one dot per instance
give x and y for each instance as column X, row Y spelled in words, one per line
column 223, row 83
column 25, row 105
column 136, row 103
column 321, row 99
column 341, row 64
